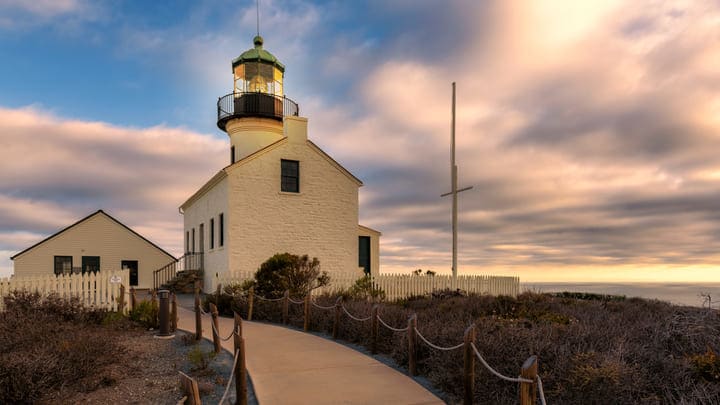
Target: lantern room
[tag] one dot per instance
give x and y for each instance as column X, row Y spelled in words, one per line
column 257, row 88
column 258, row 71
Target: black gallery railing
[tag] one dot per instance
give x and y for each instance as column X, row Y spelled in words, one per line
column 236, row 105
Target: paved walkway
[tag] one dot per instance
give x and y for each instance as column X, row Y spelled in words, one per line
column 292, row 367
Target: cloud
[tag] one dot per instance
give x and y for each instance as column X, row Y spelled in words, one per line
column 586, row 141
column 19, row 14
column 56, row 171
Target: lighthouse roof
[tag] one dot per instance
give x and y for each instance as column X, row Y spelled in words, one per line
column 258, row 54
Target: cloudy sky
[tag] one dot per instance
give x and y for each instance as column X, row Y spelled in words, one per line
column 590, row 130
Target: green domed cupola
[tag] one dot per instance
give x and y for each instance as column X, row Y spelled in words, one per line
column 257, row 70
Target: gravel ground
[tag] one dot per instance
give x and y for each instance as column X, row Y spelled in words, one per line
column 147, row 373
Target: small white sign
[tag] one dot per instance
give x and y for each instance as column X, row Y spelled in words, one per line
column 115, row 279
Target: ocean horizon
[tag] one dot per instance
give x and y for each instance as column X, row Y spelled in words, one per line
column 674, row 293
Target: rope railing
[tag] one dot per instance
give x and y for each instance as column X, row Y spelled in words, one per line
column 434, row 346
column 495, row 372
column 316, row 305
column 230, row 379
column 260, row 297
column 354, row 317
column 390, row 327
column 529, row 379
column 510, row 379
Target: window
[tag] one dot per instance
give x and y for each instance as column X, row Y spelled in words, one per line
column 212, row 233
column 364, row 253
column 290, row 176
column 221, row 226
column 90, row 264
column 187, row 241
column 201, row 240
column 232, row 154
column 63, row 265
column 192, row 246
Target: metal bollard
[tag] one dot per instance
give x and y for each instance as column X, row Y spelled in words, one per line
column 164, row 312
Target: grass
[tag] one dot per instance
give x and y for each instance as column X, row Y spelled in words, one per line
column 592, row 349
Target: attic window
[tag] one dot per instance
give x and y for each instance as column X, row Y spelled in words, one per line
column 290, row 176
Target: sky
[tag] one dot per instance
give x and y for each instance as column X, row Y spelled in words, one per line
column 590, row 131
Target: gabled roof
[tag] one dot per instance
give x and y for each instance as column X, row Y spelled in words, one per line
column 98, row 212
column 223, row 172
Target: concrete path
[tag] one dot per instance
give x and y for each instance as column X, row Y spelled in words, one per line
column 292, row 367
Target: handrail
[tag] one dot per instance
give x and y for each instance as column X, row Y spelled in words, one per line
column 188, row 261
column 254, row 104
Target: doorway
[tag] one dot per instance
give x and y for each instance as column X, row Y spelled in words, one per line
column 132, row 267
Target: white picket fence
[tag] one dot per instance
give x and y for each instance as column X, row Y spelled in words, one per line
column 404, row 285
column 93, row 289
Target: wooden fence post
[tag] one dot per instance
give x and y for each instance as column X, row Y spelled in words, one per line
column 374, row 326
column 336, row 324
column 154, row 304
column 218, row 293
column 469, row 365
column 528, row 391
column 173, row 312
column 215, row 327
column 121, row 302
column 240, row 370
column 198, row 316
column 286, row 305
column 412, row 351
column 306, row 323
column 251, row 298
column 133, row 298
column 190, row 388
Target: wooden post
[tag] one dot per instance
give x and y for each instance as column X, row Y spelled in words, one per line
column 528, row 391
column 190, row 388
column 336, row 324
column 469, row 365
column 216, row 327
column 238, row 324
column 251, row 298
column 198, row 316
column 306, row 323
column 121, row 303
column 154, row 304
column 412, row 351
column 133, row 298
column 374, row 326
column 218, row 293
column 286, row 305
column 173, row 312
column 240, row 370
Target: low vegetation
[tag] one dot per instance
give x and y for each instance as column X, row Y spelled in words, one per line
column 51, row 342
column 592, row 349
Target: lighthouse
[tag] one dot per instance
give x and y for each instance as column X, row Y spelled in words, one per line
column 280, row 192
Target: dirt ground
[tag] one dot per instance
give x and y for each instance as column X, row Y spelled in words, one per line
column 148, row 372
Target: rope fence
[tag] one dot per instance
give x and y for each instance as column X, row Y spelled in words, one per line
column 390, row 327
column 230, row 379
column 530, row 383
column 434, row 346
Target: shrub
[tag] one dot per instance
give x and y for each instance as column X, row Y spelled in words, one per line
column 285, row 271
column 146, row 313
column 364, row 289
column 707, row 365
column 49, row 342
column 199, row 359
